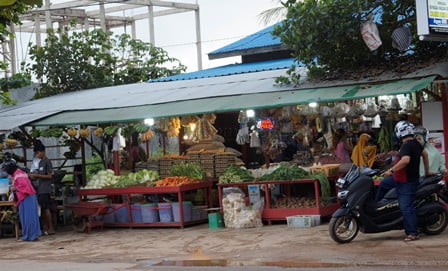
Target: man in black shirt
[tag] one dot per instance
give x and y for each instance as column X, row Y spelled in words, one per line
column 406, row 175
column 43, row 176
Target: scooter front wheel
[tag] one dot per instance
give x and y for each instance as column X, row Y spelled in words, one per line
column 440, row 222
column 343, row 229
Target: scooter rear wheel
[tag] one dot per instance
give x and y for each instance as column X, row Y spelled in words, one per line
column 342, row 230
column 441, row 223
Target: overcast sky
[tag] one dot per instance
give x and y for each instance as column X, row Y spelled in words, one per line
column 222, row 22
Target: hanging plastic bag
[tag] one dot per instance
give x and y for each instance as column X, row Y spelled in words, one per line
column 119, row 142
column 243, row 135
column 255, row 140
column 372, row 110
column 371, row 35
column 401, row 38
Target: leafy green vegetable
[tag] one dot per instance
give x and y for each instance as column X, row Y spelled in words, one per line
column 192, row 170
column 235, row 174
column 284, row 172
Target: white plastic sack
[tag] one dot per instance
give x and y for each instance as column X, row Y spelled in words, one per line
column 371, row 35
column 243, row 136
column 341, row 110
column 371, row 111
column 255, row 140
column 118, row 142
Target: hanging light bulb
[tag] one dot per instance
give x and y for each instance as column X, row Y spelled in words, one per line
column 313, row 104
column 149, row 121
column 250, row 113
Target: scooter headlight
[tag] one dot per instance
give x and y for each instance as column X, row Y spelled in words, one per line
column 342, row 195
column 340, row 182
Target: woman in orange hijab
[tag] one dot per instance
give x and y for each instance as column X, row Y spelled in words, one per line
column 364, row 154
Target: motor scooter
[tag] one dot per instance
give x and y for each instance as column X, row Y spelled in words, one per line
column 360, row 212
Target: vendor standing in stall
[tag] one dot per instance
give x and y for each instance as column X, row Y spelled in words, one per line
column 342, row 146
column 363, row 154
column 43, row 177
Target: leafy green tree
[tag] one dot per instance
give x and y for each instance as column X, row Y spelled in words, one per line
column 71, row 61
column 325, row 36
column 9, row 15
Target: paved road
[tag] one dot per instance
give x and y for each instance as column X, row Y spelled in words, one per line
column 275, row 247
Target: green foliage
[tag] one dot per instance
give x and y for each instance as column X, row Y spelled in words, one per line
column 9, row 14
column 71, row 61
column 192, row 170
column 93, row 165
column 325, row 34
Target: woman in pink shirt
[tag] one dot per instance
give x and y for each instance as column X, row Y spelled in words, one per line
column 25, row 200
column 343, row 148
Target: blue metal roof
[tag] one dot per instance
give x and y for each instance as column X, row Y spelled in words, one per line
column 262, row 38
column 232, row 69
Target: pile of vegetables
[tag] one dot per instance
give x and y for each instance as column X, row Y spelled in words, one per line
column 284, row 172
column 140, row 177
column 300, row 202
column 176, row 181
column 107, row 178
column 192, row 170
column 103, row 178
column 324, row 184
column 235, row 174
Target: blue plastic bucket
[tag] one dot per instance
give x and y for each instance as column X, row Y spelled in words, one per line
column 121, row 214
column 165, row 212
column 110, row 216
column 137, row 213
column 187, row 210
column 149, row 213
column 4, row 185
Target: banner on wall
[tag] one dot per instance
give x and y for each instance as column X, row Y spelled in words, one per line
column 438, row 141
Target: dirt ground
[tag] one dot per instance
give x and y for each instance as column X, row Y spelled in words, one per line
column 269, row 245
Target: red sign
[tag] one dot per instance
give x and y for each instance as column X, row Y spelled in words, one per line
column 265, row 124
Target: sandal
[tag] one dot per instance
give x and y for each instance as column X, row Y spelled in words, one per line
column 411, row 237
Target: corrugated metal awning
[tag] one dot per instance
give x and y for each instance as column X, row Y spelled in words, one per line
column 236, row 102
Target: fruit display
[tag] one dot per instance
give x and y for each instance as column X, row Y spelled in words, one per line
column 84, row 132
column 10, row 143
column 98, row 132
column 72, row 132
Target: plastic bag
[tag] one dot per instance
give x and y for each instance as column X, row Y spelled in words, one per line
column 255, row 140
column 401, row 38
column 243, row 136
column 370, row 35
column 238, row 216
column 372, row 110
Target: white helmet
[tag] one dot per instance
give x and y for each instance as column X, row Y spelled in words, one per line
column 420, row 130
column 404, row 128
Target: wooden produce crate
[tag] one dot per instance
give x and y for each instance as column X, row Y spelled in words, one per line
column 330, row 170
column 222, row 161
column 207, row 161
column 165, row 164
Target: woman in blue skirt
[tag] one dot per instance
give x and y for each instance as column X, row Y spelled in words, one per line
column 25, row 200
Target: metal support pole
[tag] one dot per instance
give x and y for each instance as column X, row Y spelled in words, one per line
column 151, row 24
column 37, row 24
column 198, row 38
column 86, row 24
column 12, row 51
column 133, row 30
column 103, row 17
column 48, row 15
